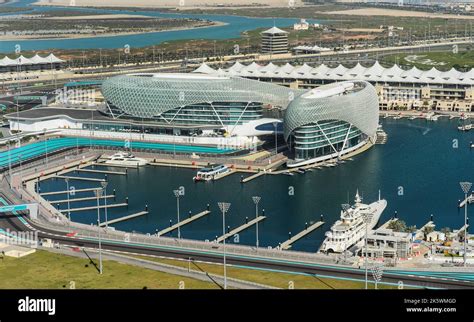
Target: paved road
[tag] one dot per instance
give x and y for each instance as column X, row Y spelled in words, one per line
column 18, row 223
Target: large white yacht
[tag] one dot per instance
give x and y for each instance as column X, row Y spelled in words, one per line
column 350, row 229
column 126, row 158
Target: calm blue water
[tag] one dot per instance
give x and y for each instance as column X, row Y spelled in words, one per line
column 419, row 157
column 235, row 25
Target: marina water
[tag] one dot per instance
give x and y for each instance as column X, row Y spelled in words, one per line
column 418, row 171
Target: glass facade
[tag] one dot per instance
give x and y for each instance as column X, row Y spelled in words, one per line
column 229, row 113
column 216, row 113
column 321, row 138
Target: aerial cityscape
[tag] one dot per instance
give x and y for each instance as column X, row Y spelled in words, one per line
column 237, row 145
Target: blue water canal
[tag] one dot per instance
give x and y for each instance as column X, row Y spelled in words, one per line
column 233, row 27
column 418, row 171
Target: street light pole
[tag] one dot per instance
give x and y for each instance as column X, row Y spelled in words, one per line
column 98, row 194
column 224, row 207
column 275, row 124
column 256, row 200
column 466, row 187
column 104, row 186
column 68, row 203
column 177, row 195
column 366, row 221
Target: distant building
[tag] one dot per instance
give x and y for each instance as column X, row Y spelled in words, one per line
column 302, row 25
column 274, row 41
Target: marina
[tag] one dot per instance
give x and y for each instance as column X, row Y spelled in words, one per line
column 382, row 167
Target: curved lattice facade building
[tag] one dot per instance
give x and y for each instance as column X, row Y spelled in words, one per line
column 165, row 96
column 331, row 120
column 318, row 124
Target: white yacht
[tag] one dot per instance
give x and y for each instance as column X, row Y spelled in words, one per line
column 350, row 229
column 126, row 158
column 211, row 172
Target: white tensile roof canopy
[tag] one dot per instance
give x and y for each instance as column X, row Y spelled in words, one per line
column 35, row 60
column 376, row 72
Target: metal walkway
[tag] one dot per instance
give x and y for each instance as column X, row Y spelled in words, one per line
column 184, row 222
column 301, row 234
column 240, row 228
column 114, row 221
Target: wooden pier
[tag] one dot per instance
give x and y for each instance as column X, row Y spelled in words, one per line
column 253, row 176
column 289, row 242
column 66, row 191
column 102, row 171
column 240, row 228
column 385, row 225
column 469, row 200
column 94, row 207
column 184, row 222
column 80, row 178
column 103, row 164
column 79, row 199
column 114, row 221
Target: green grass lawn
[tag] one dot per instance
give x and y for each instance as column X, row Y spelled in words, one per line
column 45, row 270
column 440, row 60
column 276, row 279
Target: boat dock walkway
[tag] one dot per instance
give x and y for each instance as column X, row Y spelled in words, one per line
column 65, row 191
column 240, row 228
column 78, row 199
column 469, row 200
column 102, row 171
column 385, row 225
column 80, row 178
column 114, row 221
column 183, row 222
column 114, row 165
column 253, row 176
column 94, row 207
column 301, row 234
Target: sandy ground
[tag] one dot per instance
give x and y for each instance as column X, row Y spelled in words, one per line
column 173, row 3
column 98, row 17
column 396, row 13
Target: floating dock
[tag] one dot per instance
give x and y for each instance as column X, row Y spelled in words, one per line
column 384, row 226
column 253, row 176
column 66, row 191
column 183, row 222
column 80, row 178
column 114, row 221
column 94, row 207
column 102, row 171
column 103, row 164
column 289, row 242
column 469, row 200
column 78, row 199
column 240, row 228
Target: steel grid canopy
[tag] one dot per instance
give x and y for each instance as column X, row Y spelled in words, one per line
column 359, row 107
column 150, row 95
